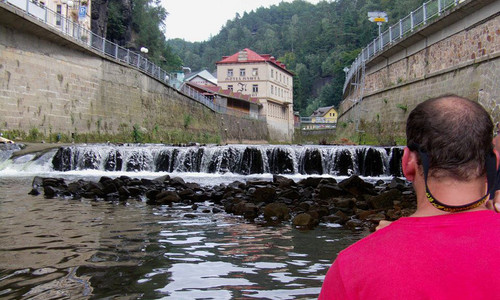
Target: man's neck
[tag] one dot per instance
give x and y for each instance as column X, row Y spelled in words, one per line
column 448, row 191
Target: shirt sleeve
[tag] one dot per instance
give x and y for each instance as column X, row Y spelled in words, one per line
column 333, row 287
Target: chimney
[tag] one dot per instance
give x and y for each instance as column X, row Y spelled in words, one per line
column 243, row 55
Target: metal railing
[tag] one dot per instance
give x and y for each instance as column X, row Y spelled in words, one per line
column 317, row 120
column 429, row 10
column 88, row 39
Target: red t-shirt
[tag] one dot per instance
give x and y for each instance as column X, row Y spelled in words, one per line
column 455, row 256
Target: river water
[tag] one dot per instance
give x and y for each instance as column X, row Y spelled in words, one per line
column 68, row 249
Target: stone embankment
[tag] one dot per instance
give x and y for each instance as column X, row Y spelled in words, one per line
column 354, row 203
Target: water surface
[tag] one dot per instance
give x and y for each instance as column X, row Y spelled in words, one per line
column 67, row 249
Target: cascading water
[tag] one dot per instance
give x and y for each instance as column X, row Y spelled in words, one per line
column 238, row 159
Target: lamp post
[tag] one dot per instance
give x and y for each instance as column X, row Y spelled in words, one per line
column 346, row 70
column 145, row 51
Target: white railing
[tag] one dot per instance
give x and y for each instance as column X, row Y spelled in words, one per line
column 317, row 120
column 88, row 39
column 429, row 10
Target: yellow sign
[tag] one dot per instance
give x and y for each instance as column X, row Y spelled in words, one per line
column 379, row 19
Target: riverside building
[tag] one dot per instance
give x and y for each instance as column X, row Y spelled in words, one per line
column 267, row 79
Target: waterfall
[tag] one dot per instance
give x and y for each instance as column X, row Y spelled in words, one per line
column 239, row 159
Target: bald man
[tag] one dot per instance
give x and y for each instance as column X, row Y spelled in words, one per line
column 450, row 247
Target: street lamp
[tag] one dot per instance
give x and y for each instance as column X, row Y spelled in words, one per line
column 346, row 70
column 144, row 50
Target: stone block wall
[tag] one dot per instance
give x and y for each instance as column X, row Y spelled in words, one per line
column 466, row 63
column 53, row 87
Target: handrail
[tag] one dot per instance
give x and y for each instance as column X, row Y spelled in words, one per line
column 88, row 39
column 416, row 18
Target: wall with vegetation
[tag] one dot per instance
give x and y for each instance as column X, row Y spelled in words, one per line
column 52, row 89
column 462, row 58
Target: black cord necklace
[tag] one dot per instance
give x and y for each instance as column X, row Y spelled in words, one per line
column 490, row 172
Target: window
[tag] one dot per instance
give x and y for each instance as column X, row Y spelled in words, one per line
column 255, row 72
column 242, row 72
column 255, row 88
column 229, row 72
column 230, row 87
column 272, row 89
column 58, row 16
column 280, row 77
column 272, row 73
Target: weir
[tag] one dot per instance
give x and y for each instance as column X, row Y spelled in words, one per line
column 238, row 159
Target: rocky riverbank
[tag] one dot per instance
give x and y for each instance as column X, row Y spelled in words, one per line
column 353, row 203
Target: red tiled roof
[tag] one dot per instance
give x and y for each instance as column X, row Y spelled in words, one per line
column 252, row 57
column 227, row 93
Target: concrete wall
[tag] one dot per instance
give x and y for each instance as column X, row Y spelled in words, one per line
column 458, row 53
column 52, row 84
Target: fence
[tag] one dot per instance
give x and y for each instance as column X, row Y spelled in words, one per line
column 88, row 39
column 429, row 10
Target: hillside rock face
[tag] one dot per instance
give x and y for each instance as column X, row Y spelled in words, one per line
column 99, row 17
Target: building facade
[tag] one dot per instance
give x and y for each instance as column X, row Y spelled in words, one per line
column 267, row 79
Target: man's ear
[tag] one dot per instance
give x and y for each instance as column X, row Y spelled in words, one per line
column 409, row 163
column 497, row 155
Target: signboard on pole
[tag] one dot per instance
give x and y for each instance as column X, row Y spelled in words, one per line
column 378, row 16
column 82, row 12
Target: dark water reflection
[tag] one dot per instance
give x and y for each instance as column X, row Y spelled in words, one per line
column 67, row 249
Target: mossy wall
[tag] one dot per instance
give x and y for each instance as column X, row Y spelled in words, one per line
column 52, row 89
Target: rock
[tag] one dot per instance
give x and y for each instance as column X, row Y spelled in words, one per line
column 264, row 194
column 304, row 220
column 328, row 191
column 397, row 183
column 276, row 211
column 167, row 197
column 34, row 192
column 283, row 182
column 354, row 224
column 357, row 187
column 245, row 209
column 333, row 219
column 384, row 200
column 290, row 194
column 345, row 202
column 310, row 181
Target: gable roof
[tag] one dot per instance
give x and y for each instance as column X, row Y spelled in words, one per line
column 321, row 111
column 203, row 74
column 248, row 56
column 226, row 93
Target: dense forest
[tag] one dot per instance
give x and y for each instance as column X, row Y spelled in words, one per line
column 133, row 24
column 315, row 41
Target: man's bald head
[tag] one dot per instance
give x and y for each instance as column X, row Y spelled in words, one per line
column 455, row 132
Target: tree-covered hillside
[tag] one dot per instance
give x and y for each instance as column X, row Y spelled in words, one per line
column 315, row 41
column 134, row 24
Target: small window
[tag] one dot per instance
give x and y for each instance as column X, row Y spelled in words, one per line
column 242, row 72
column 255, row 72
column 272, row 89
column 230, row 87
column 255, row 88
column 58, row 16
column 272, row 73
column 229, row 72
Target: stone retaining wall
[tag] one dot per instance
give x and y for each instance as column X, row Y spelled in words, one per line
column 52, row 84
column 462, row 58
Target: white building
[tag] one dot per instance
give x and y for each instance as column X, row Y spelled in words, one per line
column 268, row 80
